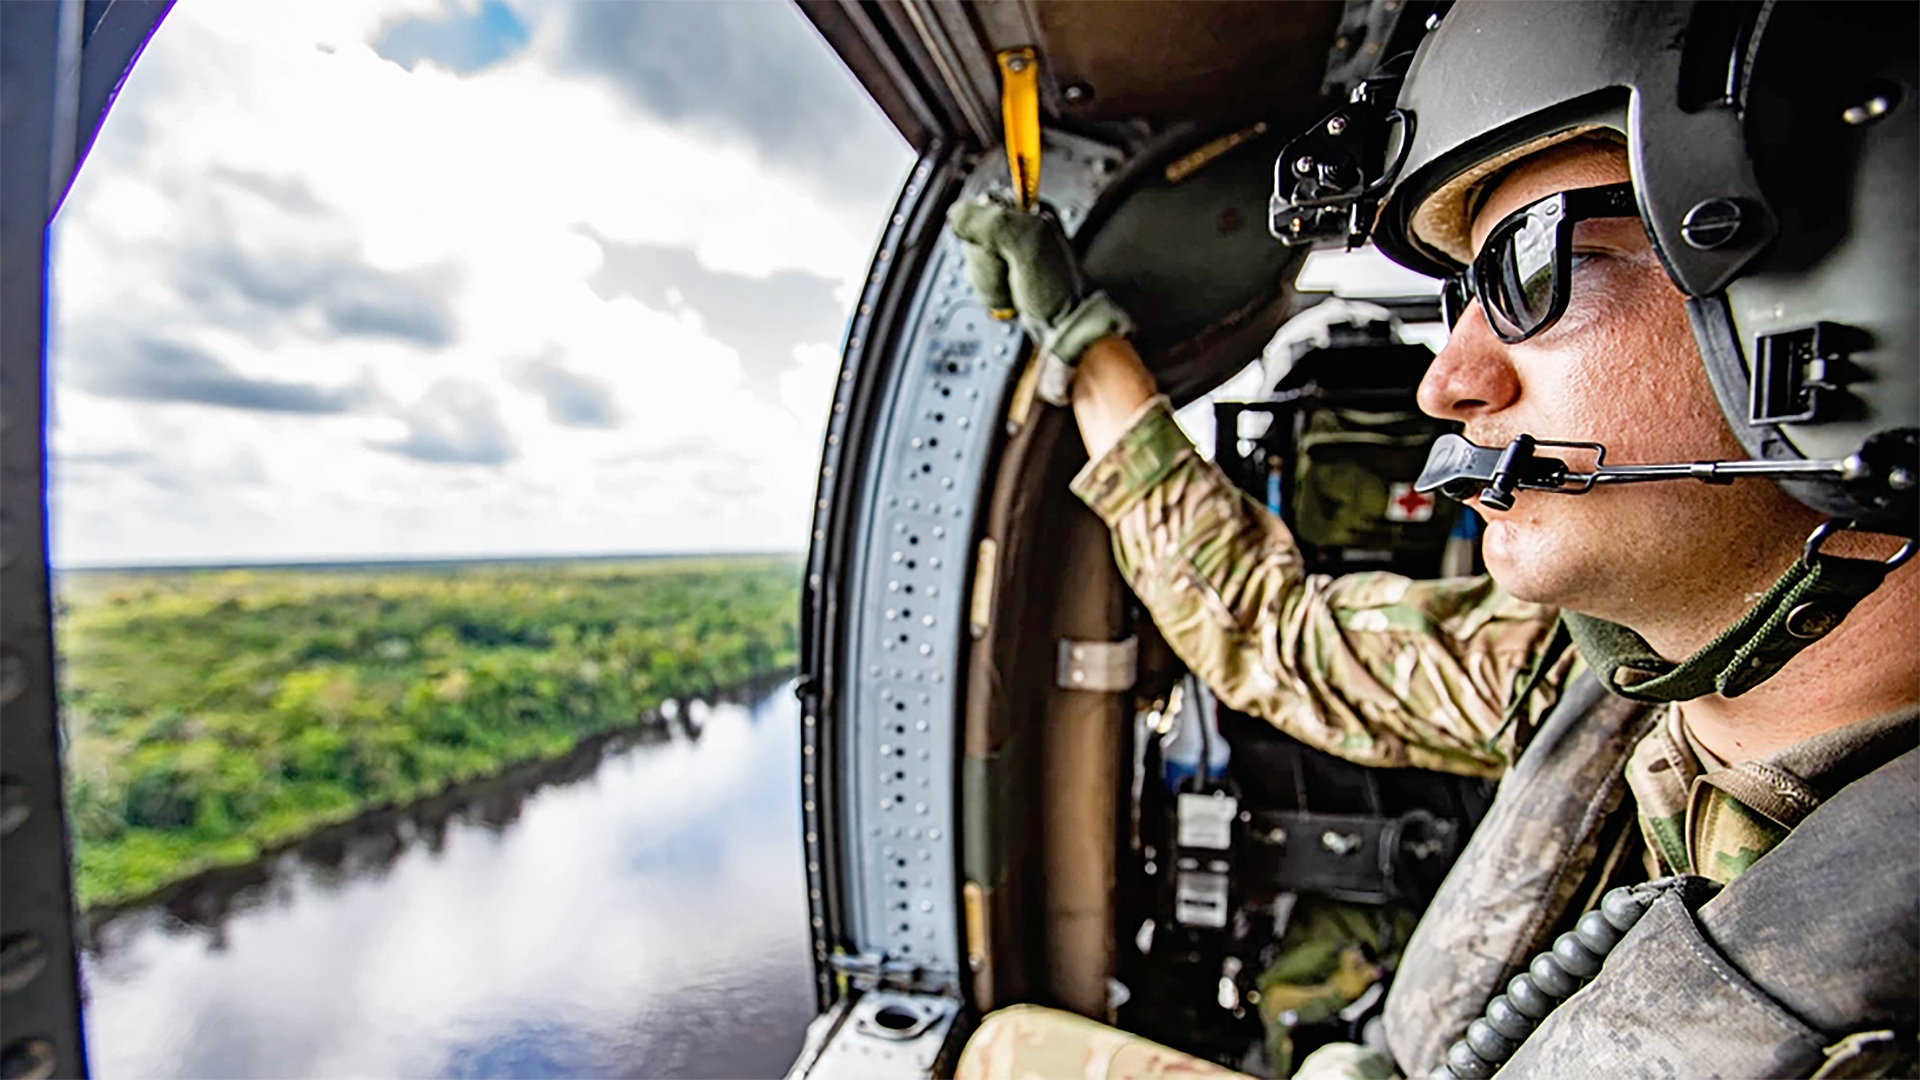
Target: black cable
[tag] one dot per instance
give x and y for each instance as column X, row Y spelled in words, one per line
column 1550, row 979
column 1203, row 776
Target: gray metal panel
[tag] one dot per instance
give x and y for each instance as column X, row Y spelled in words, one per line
column 114, row 33
column 948, row 380
column 822, row 603
column 40, row 1009
column 965, row 65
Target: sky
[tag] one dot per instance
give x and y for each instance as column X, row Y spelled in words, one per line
column 451, row 278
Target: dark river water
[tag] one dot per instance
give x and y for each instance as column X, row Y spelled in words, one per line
column 635, row 911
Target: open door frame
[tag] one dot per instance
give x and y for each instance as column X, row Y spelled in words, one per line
column 61, row 63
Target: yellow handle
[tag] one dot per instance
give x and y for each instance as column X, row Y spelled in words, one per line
column 1020, row 111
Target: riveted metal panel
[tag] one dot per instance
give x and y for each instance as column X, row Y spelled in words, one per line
column 948, row 372
column 887, row 290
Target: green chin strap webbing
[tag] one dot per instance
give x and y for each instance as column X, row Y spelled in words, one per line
column 1806, row 603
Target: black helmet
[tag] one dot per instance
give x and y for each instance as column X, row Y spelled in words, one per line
column 1773, row 149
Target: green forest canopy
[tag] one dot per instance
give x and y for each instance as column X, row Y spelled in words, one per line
column 211, row 714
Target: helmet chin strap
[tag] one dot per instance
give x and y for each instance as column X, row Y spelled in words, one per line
column 1808, row 601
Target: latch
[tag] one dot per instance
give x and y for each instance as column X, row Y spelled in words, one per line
column 872, row 971
column 1102, row 666
column 1794, row 371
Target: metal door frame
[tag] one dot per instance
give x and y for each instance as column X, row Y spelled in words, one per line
column 61, row 65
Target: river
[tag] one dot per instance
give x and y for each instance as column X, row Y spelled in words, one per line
column 635, row 911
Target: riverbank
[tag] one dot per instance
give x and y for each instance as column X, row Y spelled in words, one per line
column 216, row 717
column 642, row 914
column 381, row 834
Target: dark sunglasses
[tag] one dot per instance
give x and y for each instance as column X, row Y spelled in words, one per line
column 1524, row 273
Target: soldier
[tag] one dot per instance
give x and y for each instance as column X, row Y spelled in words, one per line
column 1633, row 207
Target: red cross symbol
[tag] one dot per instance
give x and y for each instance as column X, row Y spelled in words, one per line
column 1406, row 504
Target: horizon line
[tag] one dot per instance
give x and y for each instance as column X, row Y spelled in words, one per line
column 375, row 562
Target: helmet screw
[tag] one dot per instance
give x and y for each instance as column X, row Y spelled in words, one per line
column 1016, row 64
column 1303, row 166
column 1337, row 126
column 1078, row 93
column 1297, row 226
column 1900, row 479
column 1711, row 224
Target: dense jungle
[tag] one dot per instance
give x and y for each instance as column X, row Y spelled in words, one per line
column 211, row 715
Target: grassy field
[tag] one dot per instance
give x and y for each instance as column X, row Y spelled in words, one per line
column 212, row 714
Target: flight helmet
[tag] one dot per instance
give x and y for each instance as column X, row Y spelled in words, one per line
column 1772, row 148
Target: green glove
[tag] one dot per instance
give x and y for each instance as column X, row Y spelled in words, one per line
column 1021, row 263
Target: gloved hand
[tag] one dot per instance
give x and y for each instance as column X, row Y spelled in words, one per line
column 1020, row 263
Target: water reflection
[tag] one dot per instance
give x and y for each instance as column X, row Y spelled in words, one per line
column 639, row 912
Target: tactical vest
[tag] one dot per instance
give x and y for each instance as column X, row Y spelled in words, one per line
column 1789, row 968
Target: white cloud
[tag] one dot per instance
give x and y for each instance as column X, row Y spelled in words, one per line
column 253, row 138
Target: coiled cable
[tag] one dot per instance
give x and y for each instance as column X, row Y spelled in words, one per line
column 1550, row 979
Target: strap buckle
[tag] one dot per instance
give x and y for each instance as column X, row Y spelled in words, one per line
column 1834, row 525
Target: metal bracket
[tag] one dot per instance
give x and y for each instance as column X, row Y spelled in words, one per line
column 1361, row 858
column 1105, row 667
column 1794, row 371
column 880, row 1036
column 871, row 971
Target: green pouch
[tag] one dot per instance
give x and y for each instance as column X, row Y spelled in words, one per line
column 1353, row 482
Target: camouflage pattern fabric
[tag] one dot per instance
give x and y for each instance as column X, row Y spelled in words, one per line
column 1028, row 1042
column 1330, row 954
column 1660, row 772
column 1376, row 668
column 1703, row 816
column 1383, row 671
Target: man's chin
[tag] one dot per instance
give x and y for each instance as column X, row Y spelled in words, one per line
column 1499, row 544
column 1529, row 567
column 1521, row 573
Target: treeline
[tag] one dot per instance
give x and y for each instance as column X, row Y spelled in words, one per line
column 211, row 714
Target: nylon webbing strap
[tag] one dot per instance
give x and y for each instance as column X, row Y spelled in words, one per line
column 1808, row 601
column 1528, row 682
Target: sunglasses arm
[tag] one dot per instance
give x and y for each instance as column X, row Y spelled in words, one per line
column 1462, row 469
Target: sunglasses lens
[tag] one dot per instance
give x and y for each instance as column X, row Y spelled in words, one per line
column 1522, row 278
column 1454, row 300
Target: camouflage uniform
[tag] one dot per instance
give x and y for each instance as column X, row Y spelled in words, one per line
column 1702, row 816
column 1374, row 667
column 1383, row 671
column 1027, row 1042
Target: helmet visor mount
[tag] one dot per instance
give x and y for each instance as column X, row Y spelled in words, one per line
column 1523, row 275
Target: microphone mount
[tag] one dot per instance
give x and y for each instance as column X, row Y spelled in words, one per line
column 1462, row 469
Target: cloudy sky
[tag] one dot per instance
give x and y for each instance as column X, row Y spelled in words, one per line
column 351, row 280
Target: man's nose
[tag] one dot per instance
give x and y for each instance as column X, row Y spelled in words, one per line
column 1472, row 376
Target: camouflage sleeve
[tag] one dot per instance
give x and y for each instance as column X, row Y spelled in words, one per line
column 1374, row 667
